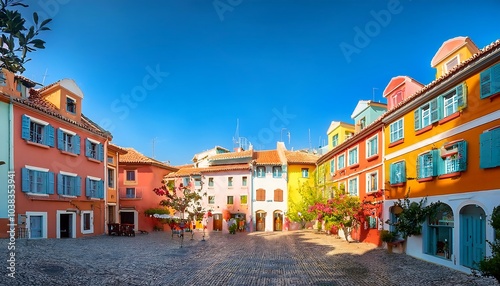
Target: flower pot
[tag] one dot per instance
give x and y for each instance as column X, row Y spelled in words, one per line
column 389, row 247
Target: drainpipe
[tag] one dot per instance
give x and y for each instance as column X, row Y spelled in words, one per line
column 11, row 136
column 252, row 227
column 105, row 187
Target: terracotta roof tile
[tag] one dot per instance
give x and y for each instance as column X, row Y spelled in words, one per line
column 232, row 155
column 268, row 157
column 192, row 171
column 135, row 157
column 299, row 157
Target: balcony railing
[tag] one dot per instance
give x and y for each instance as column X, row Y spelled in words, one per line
column 130, row 193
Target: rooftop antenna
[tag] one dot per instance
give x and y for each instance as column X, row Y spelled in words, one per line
column 373, row 93
column 44, row 76
column 236, row 138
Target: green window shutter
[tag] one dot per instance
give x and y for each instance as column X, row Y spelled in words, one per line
column 25, row 180
column 59, row 184
column 436, row 157
column 435, row 109
column 25, row 133
column 462, row 153
column 49, row 139
column 461, row 96
column 420, row 164
column 403, row 171
column 392, row 175
column 495, row 147
column 59, row 139
column 50, row 184
column 417, row 119
column 76, row 144
column 78, row 186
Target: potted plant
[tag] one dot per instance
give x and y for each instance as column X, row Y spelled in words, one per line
column 388, row 237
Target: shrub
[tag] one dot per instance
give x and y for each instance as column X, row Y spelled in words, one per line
column 490, row 266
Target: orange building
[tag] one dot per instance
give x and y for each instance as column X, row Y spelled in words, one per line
column 442, row 144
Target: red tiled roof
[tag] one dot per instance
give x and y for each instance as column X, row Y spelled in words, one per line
column 268, row 157
column 26, row 80
column 232, row 155
column 185, row 172
column 134, row 157
column 299, row 157
column 192, row 171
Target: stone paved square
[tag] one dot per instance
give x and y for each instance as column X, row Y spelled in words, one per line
column 260, row 258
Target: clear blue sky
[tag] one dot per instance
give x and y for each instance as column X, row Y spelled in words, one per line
column 183, row 72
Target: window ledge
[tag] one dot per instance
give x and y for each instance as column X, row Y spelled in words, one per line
column 450, row 175
column 397, row 185
column 395, row 143
column 69, row 153
column 38, row 195
column 354, row 166
column 493, row 96
column 93, row 160
column 449, row 117
column 428, row 179
column 38, row 144
column 423, row 130
column 371, row 158
column 68, row 196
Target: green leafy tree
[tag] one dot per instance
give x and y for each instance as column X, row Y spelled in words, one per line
column 298, row 210
column 18, row 40
column 490, row 266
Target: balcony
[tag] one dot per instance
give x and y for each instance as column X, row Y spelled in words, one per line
column 130, row 193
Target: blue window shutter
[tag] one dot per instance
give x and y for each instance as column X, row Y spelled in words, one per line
column 87, row 187
column 78, row 186
column 332, row 166
column 495, row 147
column 462, row 152
column 76, row 144
column 417, row 119
column 59, row 139
column 403, row 171
column 392, row 174
column 462, row 96
column 25, row 180
column 435, row 109
column 419, row 166
column 485, row 150
column 495, row 79
column 485, row 83
column 49, row 139
column 59, row 184
column 436, row 156
column 25, row 133
column 101, row 152
column 101, row 189
column 50, row 183
column 87, row 147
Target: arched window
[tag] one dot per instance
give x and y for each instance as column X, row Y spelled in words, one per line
column 439, row 234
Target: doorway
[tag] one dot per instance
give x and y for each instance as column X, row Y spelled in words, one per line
column 260, row 217
column 472, row 235
column 217, row 222
column 278, row 221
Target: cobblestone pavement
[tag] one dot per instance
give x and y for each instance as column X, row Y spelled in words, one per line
column 288, row 258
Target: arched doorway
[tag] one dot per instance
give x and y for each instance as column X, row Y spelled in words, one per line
column 217, row 222
column 278, row 221
column 260, row 218
column 472, row 235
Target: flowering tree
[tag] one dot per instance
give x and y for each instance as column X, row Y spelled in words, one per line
column 342, row 211
column 298, row 210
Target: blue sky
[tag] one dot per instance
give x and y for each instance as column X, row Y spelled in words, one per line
column 182, row 73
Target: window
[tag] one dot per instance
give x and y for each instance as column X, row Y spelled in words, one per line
column 111, row 178
column 94, row 187
column 87, row 222
column 230, row 181
column 130, row 193
column 94, row 150
column 335, row 140
column 197, row 182
column 489, row 148
column 186, row 181
column 70, row 105
column 277, row 172
column 37, row 131
column 37, row 181
column 427, row 164
column 372, row 182
column 261, row 172
column 362, row 123
column 441, row 107
column 372, row 146
column 490, row 81
column 353, row 187
column 278, row 195
column 211, row 200
column 448, row 66
column 397, row 173
column 353, row 156
column 3, row 79
column 130, row 175
column 211, row 182
column 439, row 235
column 341, row 162
column 111, row 160
column 261, row 195
column 68, row 141
column 230, row 200
column 454, row 158
column 396, row 131
column 68, row 184
column 305, row 173
column 332, row 166
column 243, row 199
column 244, row 181
column 397, row 98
